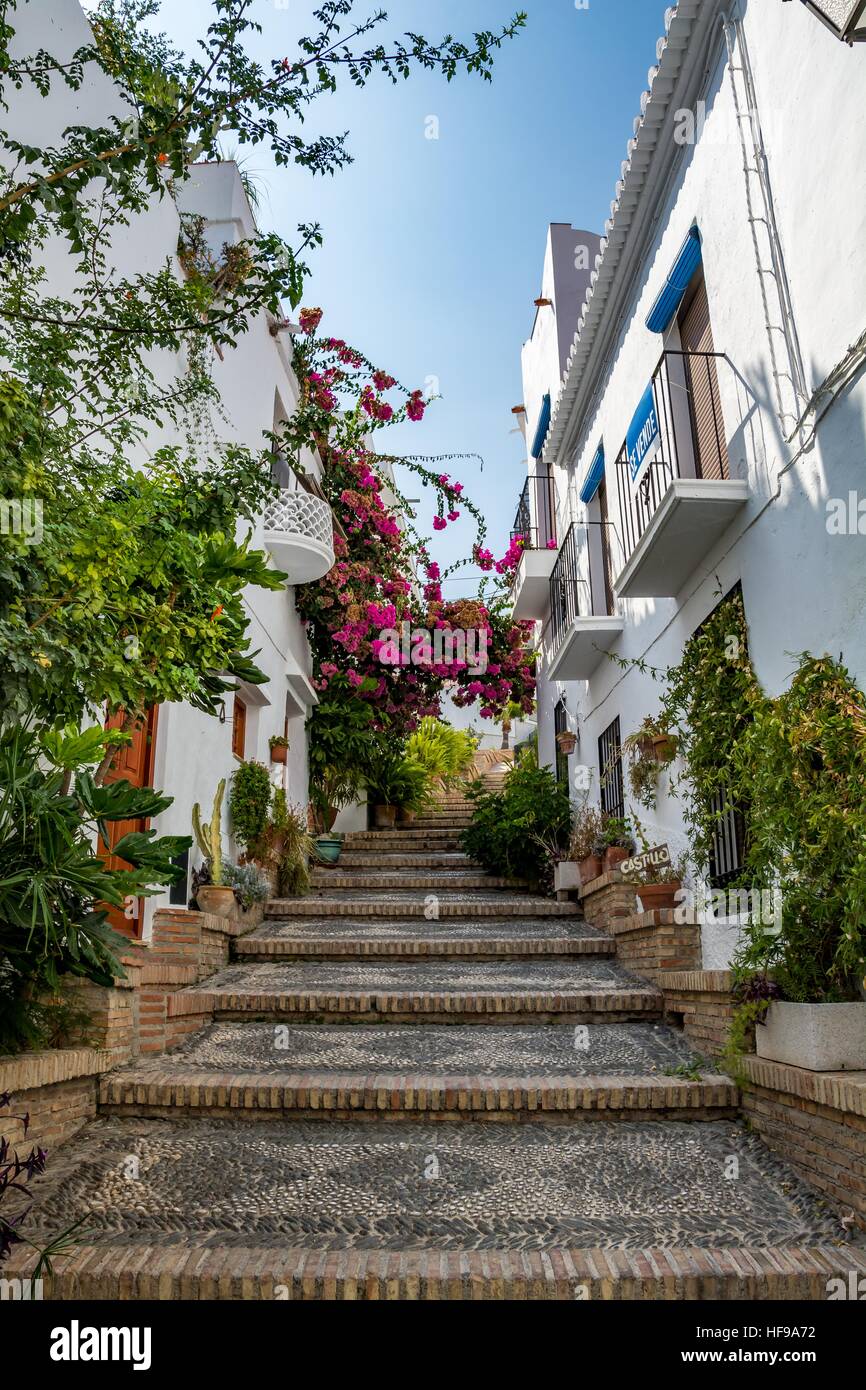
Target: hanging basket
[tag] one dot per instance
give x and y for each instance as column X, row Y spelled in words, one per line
column 567, row 743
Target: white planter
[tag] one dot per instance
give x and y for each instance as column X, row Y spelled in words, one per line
column 819, row 1037
column 566, row 877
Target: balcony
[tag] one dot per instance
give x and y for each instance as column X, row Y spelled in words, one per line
column 535, row 525
column 582, row 629
column 684, row 498
column 299, row 533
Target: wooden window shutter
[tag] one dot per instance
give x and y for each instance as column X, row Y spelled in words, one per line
column 239, row 727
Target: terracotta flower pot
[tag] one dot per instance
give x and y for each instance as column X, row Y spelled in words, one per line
column 664, row 747
column 219, row 902
column 279, row 753
column 590, row 868
column 646, row 746
column 658, row 895
column 567, row 743
column 614, row 856
column 384, row 817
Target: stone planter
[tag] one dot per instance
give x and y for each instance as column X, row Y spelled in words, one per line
column 384, row 817
column 819, row 1037
column 658, row 895
column 614, row 856
column 220, row 902
column 589, row 868
column 567, row 877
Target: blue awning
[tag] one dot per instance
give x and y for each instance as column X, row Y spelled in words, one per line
column 594, row 478
column 543, row 427
column 677, row 283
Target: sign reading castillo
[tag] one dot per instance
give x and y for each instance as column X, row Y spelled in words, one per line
column 658, row 858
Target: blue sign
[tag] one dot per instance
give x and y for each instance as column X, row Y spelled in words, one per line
column 642, row 439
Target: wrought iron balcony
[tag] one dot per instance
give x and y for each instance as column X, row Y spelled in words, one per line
column 299, row 533
column 535, row 526
column 684, row 498
column 582, row 624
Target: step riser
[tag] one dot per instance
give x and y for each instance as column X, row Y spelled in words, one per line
column 746, row 1275
column 337, row 882
column 318, row 1011
column 326, row 908
column 388, row 859
column 252, row 951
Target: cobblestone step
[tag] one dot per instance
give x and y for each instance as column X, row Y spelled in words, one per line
column 411, row 938
column 417, row 859
column 517, row 1073
column 339, row 880
column 582, row 991
column 429, row 905
column 613, row 1209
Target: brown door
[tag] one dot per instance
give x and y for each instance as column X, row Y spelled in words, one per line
column 606, row 549
column 133, row 764
column 708, row 428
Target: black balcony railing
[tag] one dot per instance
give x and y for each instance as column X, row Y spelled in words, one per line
column 535, row 522
column 572, row 588
column 691, row 438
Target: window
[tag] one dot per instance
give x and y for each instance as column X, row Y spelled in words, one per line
column 239, row 727
column 560, row 725
column 610, row 771
column 728, row 848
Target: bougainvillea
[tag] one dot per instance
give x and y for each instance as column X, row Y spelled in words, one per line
column 379, row 627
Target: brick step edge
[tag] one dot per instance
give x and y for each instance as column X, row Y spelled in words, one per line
column 211, row 1273
column 283, row 910
column 380, row 1095
column 253, row 948
column 583, row 1007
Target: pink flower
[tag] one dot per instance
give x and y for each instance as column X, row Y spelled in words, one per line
column 439, row 523
column 453, row 516
column 310, row 320
column 415, row 406
column 383, row 381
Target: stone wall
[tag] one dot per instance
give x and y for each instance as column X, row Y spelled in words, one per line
column 816, row 1122
column 649, row 942
column 700, row 1002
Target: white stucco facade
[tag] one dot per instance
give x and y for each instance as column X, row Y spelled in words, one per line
column 257, row 389
column 802, row 583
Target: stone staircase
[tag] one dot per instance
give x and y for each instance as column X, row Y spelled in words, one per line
column 422, row 1082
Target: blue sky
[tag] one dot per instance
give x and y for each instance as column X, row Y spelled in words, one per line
column 433, row 248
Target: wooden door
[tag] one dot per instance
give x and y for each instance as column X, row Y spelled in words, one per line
column 708, row 427
column 133, row 764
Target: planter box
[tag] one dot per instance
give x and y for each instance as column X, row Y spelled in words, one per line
column 819, row 1037
column 566, row 877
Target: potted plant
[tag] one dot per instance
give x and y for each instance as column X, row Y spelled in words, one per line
column 665, row 746
column 251, row 889
column 657, row 887
column 389, row 786
column 284, row 849
column 582, row 848
column 279, row 747
column 616, row 842
column 567, row 742
column 215, row 896
column 415, row 792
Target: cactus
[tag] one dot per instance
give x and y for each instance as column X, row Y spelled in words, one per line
column 210, row 842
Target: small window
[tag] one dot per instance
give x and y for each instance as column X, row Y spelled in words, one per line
column 610, row 771
column 239, row 728
column 560, row 725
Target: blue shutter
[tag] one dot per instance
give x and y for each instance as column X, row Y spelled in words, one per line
column 594, row 478
column 676, row 284
column 543, row 427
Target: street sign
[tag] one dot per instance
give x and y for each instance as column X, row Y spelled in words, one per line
column 658, row 858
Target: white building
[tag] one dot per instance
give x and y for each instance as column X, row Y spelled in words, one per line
column 708, row 415
column 186, row 752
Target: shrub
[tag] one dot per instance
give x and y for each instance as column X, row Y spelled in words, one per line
column 250, row 884
column 446, row 753
column 284, row 848
column 514, row 831
column 249, row 802
column 55, row 883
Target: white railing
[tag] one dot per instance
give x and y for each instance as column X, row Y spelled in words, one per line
column 299, row 531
